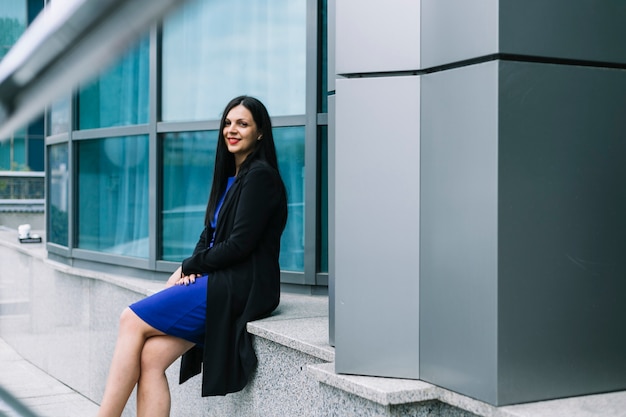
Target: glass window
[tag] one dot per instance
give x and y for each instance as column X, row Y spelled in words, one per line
column 290, row 149
column 5, row 154
column 322, row 197
column 59, row 117
column 13, row 152
column 113, row 195
column 323, row 57
column 188, row 162
column 35, row 146
column 58, row 192
column 34, row 8
column 216, row 50
column 12, row 24
column 119, row 96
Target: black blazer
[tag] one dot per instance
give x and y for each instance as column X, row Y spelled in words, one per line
column 244, row 277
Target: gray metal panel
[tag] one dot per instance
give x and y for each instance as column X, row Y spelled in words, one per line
column 377, row 226
column 330, row 60
column 456, row 30
column 377, row 36
column 573, row 29
column 458, row 273
column 310, row 146
column 562, row 232
column 331, row 219
column 154, row 169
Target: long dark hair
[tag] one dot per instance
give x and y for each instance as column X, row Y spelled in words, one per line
column 225, row 161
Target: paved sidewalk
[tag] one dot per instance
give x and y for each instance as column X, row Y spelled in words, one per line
column 43, row 394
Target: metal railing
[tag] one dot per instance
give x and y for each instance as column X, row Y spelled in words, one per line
column 22, row 185
column 12, row 407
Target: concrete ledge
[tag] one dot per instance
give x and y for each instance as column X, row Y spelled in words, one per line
column 64, row 320
column 384, row 391
column 300, row 323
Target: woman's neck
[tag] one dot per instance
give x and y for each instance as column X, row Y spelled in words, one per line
column 238, row 163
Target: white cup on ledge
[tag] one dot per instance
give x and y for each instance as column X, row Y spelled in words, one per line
column 23, row 231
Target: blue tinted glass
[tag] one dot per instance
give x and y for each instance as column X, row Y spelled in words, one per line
column 18, row 143
column 5, row 155
column 216, row 50
column 113, row 195
column 59, row 117
column 290, row 149
column 58, row 186
column 119, row 96
column 188, row 160
column 13, row 152
column 12, row 24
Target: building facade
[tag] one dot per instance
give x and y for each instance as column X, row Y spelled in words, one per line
column 453, row 169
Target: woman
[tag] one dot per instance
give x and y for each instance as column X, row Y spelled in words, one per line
column 231, row 278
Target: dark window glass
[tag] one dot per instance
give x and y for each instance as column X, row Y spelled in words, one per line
column 322, row 198
column 323, row 57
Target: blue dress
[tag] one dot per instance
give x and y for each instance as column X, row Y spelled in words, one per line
column 180, row 310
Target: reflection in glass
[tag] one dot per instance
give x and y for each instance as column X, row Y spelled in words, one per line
column 119, row 96
column 59, row 117
column 188, row 161
column 290, row 150
column 216, row 50
column 58, row 188
column 113, row 195
column 12, row 24
column 13, row 152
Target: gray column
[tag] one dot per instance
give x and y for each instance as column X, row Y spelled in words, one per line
column 377, row 226
column 519, row 173
column 376, row 246
column 522, row 225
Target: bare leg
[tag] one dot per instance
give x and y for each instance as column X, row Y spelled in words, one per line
column 125, row 366
column 153, row 393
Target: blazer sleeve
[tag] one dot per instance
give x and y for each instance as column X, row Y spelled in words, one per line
column 261, row 194
column 203, row 241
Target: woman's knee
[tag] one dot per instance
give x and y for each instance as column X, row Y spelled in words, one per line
column 127, row 317
column 131, row 322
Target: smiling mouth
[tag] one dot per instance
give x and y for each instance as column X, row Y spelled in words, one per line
column 233, row 141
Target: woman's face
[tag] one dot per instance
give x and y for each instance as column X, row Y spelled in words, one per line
column 240, row 133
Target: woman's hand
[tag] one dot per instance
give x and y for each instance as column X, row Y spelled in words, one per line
column 187, row 279
column 177, row 278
